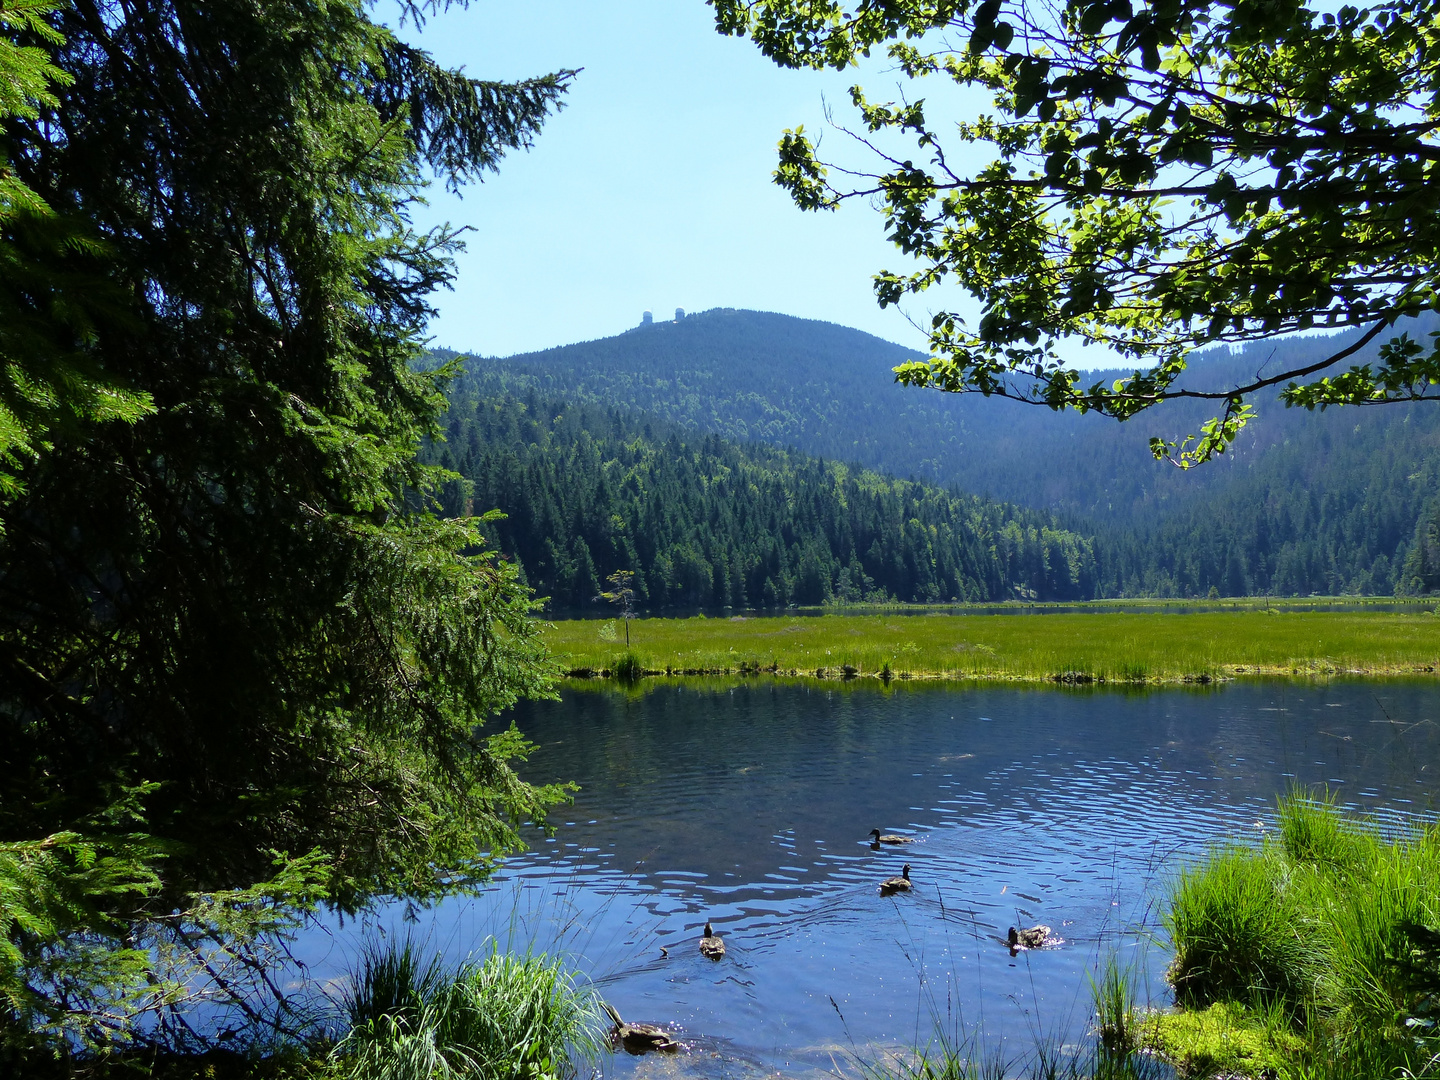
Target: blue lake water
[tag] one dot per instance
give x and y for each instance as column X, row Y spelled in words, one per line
column 750, row 804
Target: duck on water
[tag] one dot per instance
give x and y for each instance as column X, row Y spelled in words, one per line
column 897, row 884
column 888, row 838
column 1034, row 937
column 638, row 1038
column 710, row 945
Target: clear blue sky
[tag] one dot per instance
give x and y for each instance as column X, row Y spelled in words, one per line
column 651, row 189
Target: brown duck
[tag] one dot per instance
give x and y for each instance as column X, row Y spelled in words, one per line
column 1035, row 937
column 897, row 884
column 638, row 1038
column 888, row 838
column 710, row 945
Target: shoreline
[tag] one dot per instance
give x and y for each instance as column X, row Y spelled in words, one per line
column 1074, row 649
column 1067, row 678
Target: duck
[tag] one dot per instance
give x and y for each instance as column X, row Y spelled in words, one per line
column 888, row 838
column 897, row 884
column 637, row 1038
column 710, row 945
column 1035, row 937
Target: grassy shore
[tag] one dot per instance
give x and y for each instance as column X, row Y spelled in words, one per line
column 407, row 1016
column 1110, row 647
column 1317, row 953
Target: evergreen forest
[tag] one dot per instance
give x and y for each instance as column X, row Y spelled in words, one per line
column 1326, row 503
column 708, row 523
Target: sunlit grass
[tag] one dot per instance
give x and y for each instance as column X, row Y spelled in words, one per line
column 1319, row 945
column 507, row 1017
column 1113, row 647
column 1225, row 1040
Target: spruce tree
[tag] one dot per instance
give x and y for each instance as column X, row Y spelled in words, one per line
column 232, row 633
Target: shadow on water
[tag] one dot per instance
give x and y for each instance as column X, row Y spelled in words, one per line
column 750, row 802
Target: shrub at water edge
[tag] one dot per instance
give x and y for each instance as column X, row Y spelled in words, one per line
column 628, row 667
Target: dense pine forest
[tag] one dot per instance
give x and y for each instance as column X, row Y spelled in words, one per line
column 1311, row 519
column 1306, row 503
column 708, row 523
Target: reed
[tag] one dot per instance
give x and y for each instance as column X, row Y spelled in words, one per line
column 1116, row 1012
column 508, row 1017
column 1125, row 647
column 1119, row 1049
column 944, row 1059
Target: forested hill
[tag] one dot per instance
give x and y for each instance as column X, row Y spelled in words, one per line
column 1324, row 511
column 708, row 523
column 1305, row 503
column 828, row 390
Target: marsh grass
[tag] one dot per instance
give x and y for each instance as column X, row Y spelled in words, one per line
column 1116, row 1012
column 1125, row 648
column 506, row 1017
column 1326, row 930
column 627, row 667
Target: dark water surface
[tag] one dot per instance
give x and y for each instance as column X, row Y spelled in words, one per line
column 750, row 805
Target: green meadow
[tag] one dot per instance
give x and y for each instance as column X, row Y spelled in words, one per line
column 1136, row 646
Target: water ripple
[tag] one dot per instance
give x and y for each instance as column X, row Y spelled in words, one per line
column 752, row 808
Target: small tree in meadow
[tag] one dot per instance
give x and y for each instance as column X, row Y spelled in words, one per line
column 622, row 595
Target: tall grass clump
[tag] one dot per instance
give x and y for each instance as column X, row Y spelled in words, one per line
column 1335, row 923
column 627, row 667
column 508, row 1017
column 1116, row 1013
column 1314, row 832
column 394, row 981
column 1379, row 936
column 1235, row 929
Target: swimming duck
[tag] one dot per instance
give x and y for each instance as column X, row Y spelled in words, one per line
column 1035, row 937
column 889, row 838
column 897, row 884
column 710, row 945
column 637, row 1038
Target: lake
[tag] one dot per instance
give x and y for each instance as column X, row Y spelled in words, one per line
column 750, row 804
